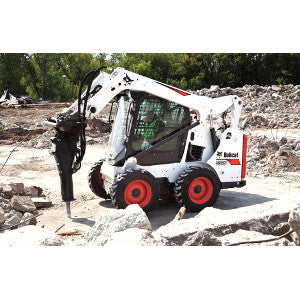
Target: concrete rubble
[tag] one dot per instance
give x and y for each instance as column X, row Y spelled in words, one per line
column 210, row 227
column 264, row 106
column 41, row 202
column 270, row 157
column 134, row 237
column 266, row 218
column 294, row 222
column 18, row 206
column 117, row 220
column 12, row 220
column 274, row 107
column 248, row 235
column 267, row 107
column 23, row 204
column 9, row 99
column 2, row 216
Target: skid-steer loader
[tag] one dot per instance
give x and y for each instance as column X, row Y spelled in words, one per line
column 163, row 141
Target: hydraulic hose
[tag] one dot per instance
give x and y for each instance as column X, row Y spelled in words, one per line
column 82, row 116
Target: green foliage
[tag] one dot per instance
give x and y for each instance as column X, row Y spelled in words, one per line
column 56, row 76
column 11, row 71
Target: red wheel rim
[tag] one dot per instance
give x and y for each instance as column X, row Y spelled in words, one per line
column 100, row 180
column 200, row 190
column 138, row 192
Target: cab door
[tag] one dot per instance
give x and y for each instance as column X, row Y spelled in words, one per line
column 156, row 119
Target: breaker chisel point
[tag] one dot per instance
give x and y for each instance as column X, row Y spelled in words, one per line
column 68, row 208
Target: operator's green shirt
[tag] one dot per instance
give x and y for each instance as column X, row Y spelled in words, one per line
column 150, row 131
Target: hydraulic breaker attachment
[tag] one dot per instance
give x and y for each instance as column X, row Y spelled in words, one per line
column 71, row 130
column 64, row 149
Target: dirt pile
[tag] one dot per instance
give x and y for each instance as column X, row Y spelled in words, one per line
column 18, row 133
column 17, row 123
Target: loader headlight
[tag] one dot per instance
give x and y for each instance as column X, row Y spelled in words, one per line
column 114, row 73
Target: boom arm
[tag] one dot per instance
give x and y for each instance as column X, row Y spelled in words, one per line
column 122, row 80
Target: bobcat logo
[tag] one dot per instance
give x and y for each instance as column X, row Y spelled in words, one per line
column 219, row 153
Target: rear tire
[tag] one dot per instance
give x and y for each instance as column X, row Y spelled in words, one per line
column 95, row 180
column 135, row 187
column 197, row 188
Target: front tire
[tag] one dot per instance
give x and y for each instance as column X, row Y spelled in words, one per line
column 95, row 180
column 135, row 187
column 197, row 188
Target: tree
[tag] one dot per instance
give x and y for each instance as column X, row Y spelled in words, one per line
column 56, row 76
column 45, row 78
column 12, row 67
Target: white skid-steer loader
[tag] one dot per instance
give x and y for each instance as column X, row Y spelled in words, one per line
column 164, row 142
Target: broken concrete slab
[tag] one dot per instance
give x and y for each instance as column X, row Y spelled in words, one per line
column 117, row 220
column 23, row 204
column 41, row 202
column 262, row 218
column 181, row 233
column 33, row 191
column 248, row 235
column 30, row 236
column 214, row 88
column 6, row 207
column 200, row 238
column 28, row 219
column 295, row 238
column 2, row 216
column 134, row 237
column 6, row 191
column 12, row 220
column 294, row 220
column 18, row 188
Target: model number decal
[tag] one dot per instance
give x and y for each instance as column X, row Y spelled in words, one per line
column 221, row 162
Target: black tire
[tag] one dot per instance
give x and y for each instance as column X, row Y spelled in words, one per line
column 207, row 194
column 142, row 182
column 94, row 182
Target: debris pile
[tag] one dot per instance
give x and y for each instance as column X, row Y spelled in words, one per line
column 19, row 204
column 9, row 99
column 272, row 157
column 263, row 224
column 97, row 132
column 276, row 106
